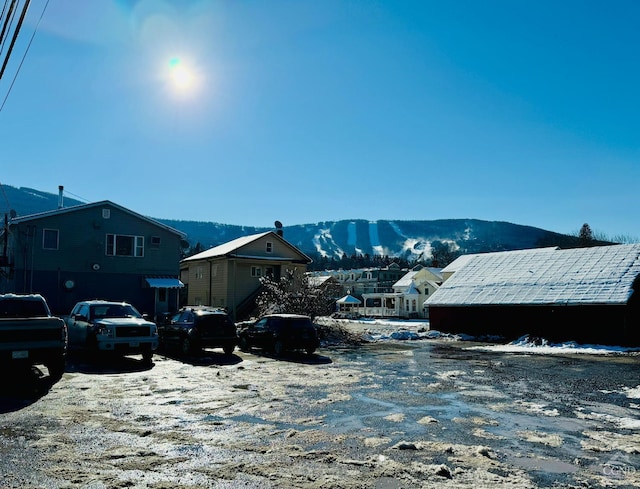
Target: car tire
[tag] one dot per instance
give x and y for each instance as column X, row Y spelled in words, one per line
column 56, row 368
column 244, row 344
column 228, row 349
column 147, row 357
column 278, row 348
column 186, row 347
column 310, row 350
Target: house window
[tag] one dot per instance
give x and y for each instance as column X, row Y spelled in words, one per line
column 121, row 245
column 269, row 247
column 50, row 239
column 106, row 213
column 256, row 271
column 199, row 272
column 268, row 272
column 413, row 305
column 155, row 242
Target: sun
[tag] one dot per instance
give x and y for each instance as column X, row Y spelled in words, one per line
column 182, row 78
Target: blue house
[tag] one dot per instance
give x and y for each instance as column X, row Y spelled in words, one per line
column 99, row 250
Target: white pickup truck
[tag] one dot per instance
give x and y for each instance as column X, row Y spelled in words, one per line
column 117, row 327
column 30, row 335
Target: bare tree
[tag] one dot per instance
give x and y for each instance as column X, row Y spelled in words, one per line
column 294, row 294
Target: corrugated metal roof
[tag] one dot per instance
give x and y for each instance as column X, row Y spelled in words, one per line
column 597, row 275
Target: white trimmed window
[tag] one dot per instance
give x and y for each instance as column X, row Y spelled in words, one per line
column 256, row 271
column 269, row 247
column 123, row 245
column 199, row 272
column 50, row 239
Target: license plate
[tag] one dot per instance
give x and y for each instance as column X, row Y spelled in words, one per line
column 16, row 355
column 134, row 344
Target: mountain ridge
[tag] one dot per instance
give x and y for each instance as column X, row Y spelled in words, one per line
column 409, row 239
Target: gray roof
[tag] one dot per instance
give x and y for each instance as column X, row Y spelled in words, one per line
column 547, row 276
column 102, row 203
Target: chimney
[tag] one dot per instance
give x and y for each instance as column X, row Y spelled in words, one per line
column 278, row 225
column 60, row 196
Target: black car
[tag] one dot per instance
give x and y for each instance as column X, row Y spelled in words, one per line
column 193, row 328
column 279, row 333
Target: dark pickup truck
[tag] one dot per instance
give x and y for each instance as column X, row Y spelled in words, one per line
column 30, row 335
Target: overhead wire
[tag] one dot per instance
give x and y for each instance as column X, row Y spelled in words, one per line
column 6, row 26
column 16, row 31
column 15, row 76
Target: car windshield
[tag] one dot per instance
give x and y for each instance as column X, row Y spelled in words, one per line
column 114, row 311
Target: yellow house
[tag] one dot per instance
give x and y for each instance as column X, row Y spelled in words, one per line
column 228, row 275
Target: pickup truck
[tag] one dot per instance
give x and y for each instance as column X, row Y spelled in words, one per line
column 117, row 327
column 30, row 335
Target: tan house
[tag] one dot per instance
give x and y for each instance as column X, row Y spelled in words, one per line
column 228, row 275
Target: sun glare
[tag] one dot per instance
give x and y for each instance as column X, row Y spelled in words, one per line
column 182, row 77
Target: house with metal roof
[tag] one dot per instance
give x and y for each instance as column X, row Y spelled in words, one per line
column 99, row 250
column 588, row 295
column 228, row 276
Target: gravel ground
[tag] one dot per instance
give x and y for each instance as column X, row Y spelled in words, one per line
column 418, row 414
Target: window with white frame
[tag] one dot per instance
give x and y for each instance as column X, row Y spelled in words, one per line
column 199, row 272
column 124, row 245
column 256, row 271
column 50, row 239
column 269, row 247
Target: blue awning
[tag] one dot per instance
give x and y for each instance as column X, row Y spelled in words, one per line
column 164, row 283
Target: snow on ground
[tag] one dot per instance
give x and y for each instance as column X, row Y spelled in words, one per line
column 381, row 329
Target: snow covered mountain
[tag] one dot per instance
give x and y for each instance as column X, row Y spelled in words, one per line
column 397, row 238
column 407, row 239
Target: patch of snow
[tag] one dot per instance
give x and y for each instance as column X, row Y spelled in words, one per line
column 352, row 234
column 633, row 393
column 525, row 344
column 374, row 238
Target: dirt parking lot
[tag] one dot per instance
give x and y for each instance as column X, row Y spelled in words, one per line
column 419, row 414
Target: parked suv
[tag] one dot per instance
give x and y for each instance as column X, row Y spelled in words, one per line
column 193, row 328
column 279, row 333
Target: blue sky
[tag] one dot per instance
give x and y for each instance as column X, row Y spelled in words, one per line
column 244, row 112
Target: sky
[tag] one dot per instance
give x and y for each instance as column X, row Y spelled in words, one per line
column 246, row 112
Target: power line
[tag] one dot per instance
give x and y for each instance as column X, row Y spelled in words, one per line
column 16, row 31
column 4, row 101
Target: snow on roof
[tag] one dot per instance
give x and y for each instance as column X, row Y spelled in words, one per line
column 226, row 248
column 406, row 280
column 234, row 245
column 597, row 275
column 462, row 260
